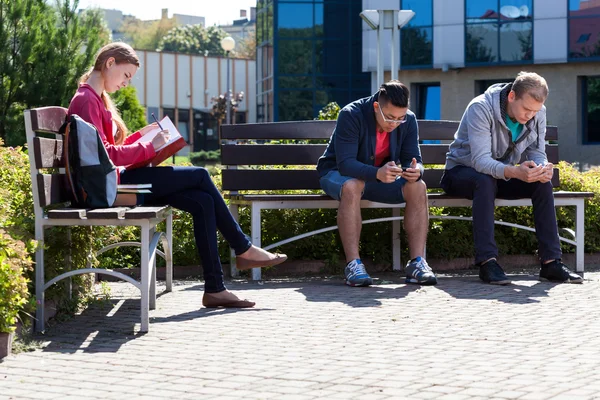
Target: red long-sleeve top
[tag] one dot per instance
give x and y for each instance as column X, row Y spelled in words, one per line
column 89, row 106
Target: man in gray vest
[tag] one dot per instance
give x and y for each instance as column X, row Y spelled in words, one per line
column 496, row 130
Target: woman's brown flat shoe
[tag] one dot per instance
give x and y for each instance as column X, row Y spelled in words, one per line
column 243, row 264
column 213, row 300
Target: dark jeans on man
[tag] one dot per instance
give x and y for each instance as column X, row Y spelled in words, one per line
column 483, row 189
column 191, row 189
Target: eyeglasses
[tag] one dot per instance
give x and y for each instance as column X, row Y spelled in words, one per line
column 392, row 121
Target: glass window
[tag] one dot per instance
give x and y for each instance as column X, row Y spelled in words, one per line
column 516, row 41
column 481, row 43
column 483, row 85
column 481, row 10
column 332, row 57
column 423, row 12
column 591, row 107
column 429, row 100
column 295, row 20
column 295, row 82
column 183, row 124
column 417, row 46
column 295, row 56
column 584, row 37
column 296, row 105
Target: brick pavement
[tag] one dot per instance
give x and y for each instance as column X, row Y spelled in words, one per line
column 317, row 338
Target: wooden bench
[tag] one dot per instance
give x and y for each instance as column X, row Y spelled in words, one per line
column 244, row 152
column 51, row 206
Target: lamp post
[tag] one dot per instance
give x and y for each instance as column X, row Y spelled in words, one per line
column 228, row 44
column 387, row 19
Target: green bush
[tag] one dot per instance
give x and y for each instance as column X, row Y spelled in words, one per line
column 200, row 158
column 14, row 295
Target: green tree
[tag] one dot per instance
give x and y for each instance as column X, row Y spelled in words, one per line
column 194, row 39
column 45, row 51
column 134, row 115
column 143, row 35
column 476, row 51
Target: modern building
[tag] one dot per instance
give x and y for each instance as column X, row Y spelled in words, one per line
column 308, row 54
column 451, row 51
column 182, row 86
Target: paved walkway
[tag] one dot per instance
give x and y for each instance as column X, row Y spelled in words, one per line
column 318, row 338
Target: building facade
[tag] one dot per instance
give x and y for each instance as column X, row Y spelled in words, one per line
column 182, row 86
column 311, row 52
column 452, row 50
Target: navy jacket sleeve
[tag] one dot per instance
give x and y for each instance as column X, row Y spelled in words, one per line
column 347, row 138
column 409, row 144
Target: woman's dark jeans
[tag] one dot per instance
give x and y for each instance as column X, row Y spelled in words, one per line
column 191, row 189
column 483, row 189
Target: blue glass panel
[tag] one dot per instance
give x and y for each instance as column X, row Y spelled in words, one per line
column 482, row 10
column 417, row 46
column 296, row 105
column 432, row 103
column 423, row 12
column 295, row 20
column 481, row 43
column 592, row 109
column 516, row 41
column 295, row 56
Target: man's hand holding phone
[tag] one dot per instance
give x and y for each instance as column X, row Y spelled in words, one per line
column 413, row 173
column 388, row 172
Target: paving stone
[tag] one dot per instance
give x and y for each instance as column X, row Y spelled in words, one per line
column 317, row 338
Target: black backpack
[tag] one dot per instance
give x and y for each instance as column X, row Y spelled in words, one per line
column 92, row 176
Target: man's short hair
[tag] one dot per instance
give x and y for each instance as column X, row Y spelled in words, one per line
column 532, row 83
column 394, row 92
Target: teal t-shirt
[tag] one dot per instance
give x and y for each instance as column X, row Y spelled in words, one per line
column 515, row 128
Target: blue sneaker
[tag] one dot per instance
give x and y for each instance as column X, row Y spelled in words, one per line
column 419, row 272
column 356, row 274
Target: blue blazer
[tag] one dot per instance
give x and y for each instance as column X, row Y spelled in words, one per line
column 351, row 148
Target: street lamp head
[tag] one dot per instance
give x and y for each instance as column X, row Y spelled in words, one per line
column 227, row 43
column 371, row 17
column 404, row 16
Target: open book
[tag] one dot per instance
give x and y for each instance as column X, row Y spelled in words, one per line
column 176, row 142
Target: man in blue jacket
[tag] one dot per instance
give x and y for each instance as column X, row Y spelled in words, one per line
column 374, row 154
column 499, row 128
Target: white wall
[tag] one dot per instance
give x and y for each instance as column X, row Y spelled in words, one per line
column 550, row 36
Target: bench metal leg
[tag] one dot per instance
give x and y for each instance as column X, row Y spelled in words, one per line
column 396, row 240
column 580, row 235
column 145, row 283
column 39, row 278
column 152, row 266
column 168, row 248
column 255, row 221
column 234, row 209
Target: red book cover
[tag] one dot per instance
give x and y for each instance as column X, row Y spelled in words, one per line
column 176, row 143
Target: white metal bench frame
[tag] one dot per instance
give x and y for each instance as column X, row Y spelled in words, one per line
column 257, row 206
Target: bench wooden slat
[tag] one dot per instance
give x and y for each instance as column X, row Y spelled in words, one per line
column 47, row 119
column 307, row 154
column 282, row 154
column 146, row 212
column 428, row 130
column 48, row 153
column 67, row 213
column 279, row 130
column 250, row 179
column 53, row 189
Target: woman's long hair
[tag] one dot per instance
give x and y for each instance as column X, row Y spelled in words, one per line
column 122, row 53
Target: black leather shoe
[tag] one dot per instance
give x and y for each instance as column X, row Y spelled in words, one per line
column 556, row 271
column 492, row 272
